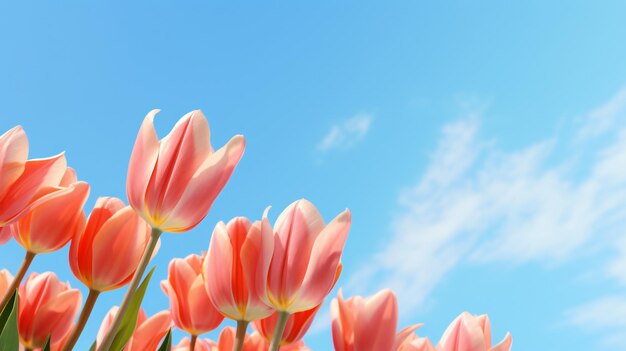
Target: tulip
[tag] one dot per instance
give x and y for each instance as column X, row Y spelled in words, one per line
column 190, row 306
column 49, row 221
column 200, row 345
column 172, row 183
column 47, row 307
column 5, row 234
column 148, row 331
column 22, row 179
column 5, row 281
column 362, row 324
column 236, row 269
column 306, row 262
column 406, row 340
column 471, row 333
column 297, row 325
column 111, row 227
column 253, row 342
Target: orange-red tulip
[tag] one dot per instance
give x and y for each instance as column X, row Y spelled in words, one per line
column 362, row 324
column 471, row 333
column 191, row 309
column 297, row 325
column 148, row 331
column 306, row 261
column 46, row 307
column 22, row 179
column 56, row 215
column 115, row 228
column 172, row 183
column 236, row 267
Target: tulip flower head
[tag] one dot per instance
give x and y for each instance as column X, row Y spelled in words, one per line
column 46, row 307
column 306, row 262
column 201, row 345
column 54, row 217
column 190, row 306
column 297, row 325
column 5, row 281
column 22, row 179
column 471, row 333
column 111, row 227
column 172, row 183
column 236, row 266
column 148, row 332
column 412, row 342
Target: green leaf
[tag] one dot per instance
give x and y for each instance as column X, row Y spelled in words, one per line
column 127, row 327
column 46, row 346
column 9, row 337
column 167, row 342
column 93, row 346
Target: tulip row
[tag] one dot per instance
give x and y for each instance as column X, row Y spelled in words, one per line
column 274, row 277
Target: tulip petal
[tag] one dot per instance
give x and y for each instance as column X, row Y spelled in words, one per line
column 218, row 272
column 375, row 324
column 504, row 345
column 148, row 334
column 142, row 162
column 13, row 155
column 256, row 256
column 204, row 187
column 325, row 260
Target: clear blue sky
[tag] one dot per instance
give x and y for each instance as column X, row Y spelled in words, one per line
column 479, row 145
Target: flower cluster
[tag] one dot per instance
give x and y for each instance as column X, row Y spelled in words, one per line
column 272, row 278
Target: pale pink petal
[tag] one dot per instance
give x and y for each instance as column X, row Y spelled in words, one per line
column 256, row 256
column 204, row 187
column 218, row 272
column 148, row 334
column 142, row 162
column 324, row 262
column 375, row 324
column 13, row 155
column 504, row 345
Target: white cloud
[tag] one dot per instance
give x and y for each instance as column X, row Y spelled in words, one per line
column 605, row 316
column 479, row 203
column 346, row 134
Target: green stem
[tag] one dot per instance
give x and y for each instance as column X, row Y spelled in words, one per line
column 192, row 343
column 240, row 337
column 82, row 319
column 147, row 254
column 28, row 259
column 278, row 331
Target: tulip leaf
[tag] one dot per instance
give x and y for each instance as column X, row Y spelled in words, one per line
column 167, row 342
column 9, row 337
column 129, row 321
column 46, row 346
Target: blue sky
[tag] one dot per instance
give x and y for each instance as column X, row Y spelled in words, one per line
column 479, row 145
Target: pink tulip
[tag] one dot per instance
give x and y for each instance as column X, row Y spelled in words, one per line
column 236, row 268
column 46, row 307
column 5, row 281
column 172, row 183
column 56, row 215
column 252, row 342
column 111, row 227
column 306, row 261
column 190, row 306
column 297, row 325
column 22, row 179
column 148, row 332
column 471, row 333
column 406, row 340
column 201, row 345
column 362, row 324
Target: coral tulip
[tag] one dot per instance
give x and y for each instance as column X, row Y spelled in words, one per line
column 190, row 306
column 362, row 324
column 236, row 268
column 46, row 307
column 5, row 281
column 111, row 227
column 201, row 345
column 471, row 333
column 412, row 342
column 297, row 325
column 22, row 179
column 306, row 261
column 148, row 331
column 172, row 183
column 5, row 234
column 56, row 215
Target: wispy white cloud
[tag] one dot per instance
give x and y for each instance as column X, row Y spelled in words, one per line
column 605, row 316
column 346, row 134
column 479, row 203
